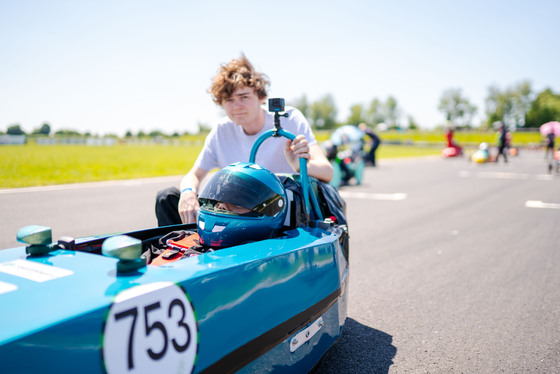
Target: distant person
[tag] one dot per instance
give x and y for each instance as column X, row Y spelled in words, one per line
column 550, row 140
column 452, row 149
column 375, row 141
column 241, row 91
column 449, row 136
column 502, row 136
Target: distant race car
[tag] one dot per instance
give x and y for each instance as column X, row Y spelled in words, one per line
column 452, row 152
column 345, row 152
column 94, row 305
column 481, row 155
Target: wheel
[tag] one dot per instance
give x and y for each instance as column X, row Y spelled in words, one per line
column 359, row 170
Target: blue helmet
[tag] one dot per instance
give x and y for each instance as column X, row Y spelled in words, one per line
column 250, row 187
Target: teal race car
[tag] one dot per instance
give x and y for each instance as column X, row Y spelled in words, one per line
column 99, row 305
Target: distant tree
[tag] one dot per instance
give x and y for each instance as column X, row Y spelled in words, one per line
column 45, row 129
column 522, row 97
column 357, row 115
column 303, row 105
column 375, row 113
column 156, row 133
column 392, row 112
column 456, row 108
column 412, row 125
column 497, row 103
column 141, row 134
column 545, row 108
column 15, row 130
column 510, row 105
column 323, row 113
column 203, row 128
column 128, row 134
column 67, row 133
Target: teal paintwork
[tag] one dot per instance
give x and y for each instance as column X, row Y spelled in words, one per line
column 238, row 294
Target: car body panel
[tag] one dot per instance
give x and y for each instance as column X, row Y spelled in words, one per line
column 239, row 295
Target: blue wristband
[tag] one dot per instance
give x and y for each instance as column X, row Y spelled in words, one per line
column 187, row 189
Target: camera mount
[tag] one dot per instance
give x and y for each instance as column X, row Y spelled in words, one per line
column 277, row 105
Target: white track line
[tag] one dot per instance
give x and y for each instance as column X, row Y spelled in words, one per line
column 61, row 187
column 504, row 175
column 540, row 204
column 372, row 196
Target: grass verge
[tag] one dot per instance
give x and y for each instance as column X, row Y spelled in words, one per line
column 39, row 165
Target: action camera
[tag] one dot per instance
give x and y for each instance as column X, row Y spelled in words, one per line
column 275, row 105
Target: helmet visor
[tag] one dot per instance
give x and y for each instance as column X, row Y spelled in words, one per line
column 241, row 190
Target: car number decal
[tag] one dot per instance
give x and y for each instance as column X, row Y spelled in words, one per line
column 151, row 328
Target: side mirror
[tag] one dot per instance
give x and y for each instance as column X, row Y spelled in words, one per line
column 39, row 239
column 127, row 250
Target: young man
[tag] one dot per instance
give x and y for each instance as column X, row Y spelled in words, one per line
column 241, row 91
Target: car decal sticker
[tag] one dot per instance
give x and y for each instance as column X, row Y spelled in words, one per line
column 33, row 270
column 150, row 328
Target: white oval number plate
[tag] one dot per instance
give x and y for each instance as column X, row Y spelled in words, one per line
column 150, row 329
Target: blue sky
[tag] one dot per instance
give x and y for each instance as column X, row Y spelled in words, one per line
column 111, row 66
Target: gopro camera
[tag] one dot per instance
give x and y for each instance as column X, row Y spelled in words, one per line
column 275, row 105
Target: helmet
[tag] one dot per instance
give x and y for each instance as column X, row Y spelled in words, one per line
column 246, row 185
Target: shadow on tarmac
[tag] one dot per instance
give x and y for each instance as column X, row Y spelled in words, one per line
column 360, row 349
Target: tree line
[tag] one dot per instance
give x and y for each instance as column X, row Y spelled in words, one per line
column 517, row 106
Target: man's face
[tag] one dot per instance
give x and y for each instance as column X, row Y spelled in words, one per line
column 243, row 107
column 232, row 208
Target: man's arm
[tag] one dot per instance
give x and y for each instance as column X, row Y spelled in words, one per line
column 188, row 202
column 317, row 164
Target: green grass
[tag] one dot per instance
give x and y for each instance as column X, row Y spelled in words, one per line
column 39, row 165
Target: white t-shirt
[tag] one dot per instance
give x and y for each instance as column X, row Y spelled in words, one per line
column 227, row 143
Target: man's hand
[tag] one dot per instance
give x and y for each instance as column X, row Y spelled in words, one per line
column 188, row 206
column 295, row 149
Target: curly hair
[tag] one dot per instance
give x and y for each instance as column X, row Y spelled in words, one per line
column 235, row 74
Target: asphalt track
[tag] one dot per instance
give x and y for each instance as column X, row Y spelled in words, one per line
column 454, row 265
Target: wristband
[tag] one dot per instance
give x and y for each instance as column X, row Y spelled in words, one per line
column 187, row 189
